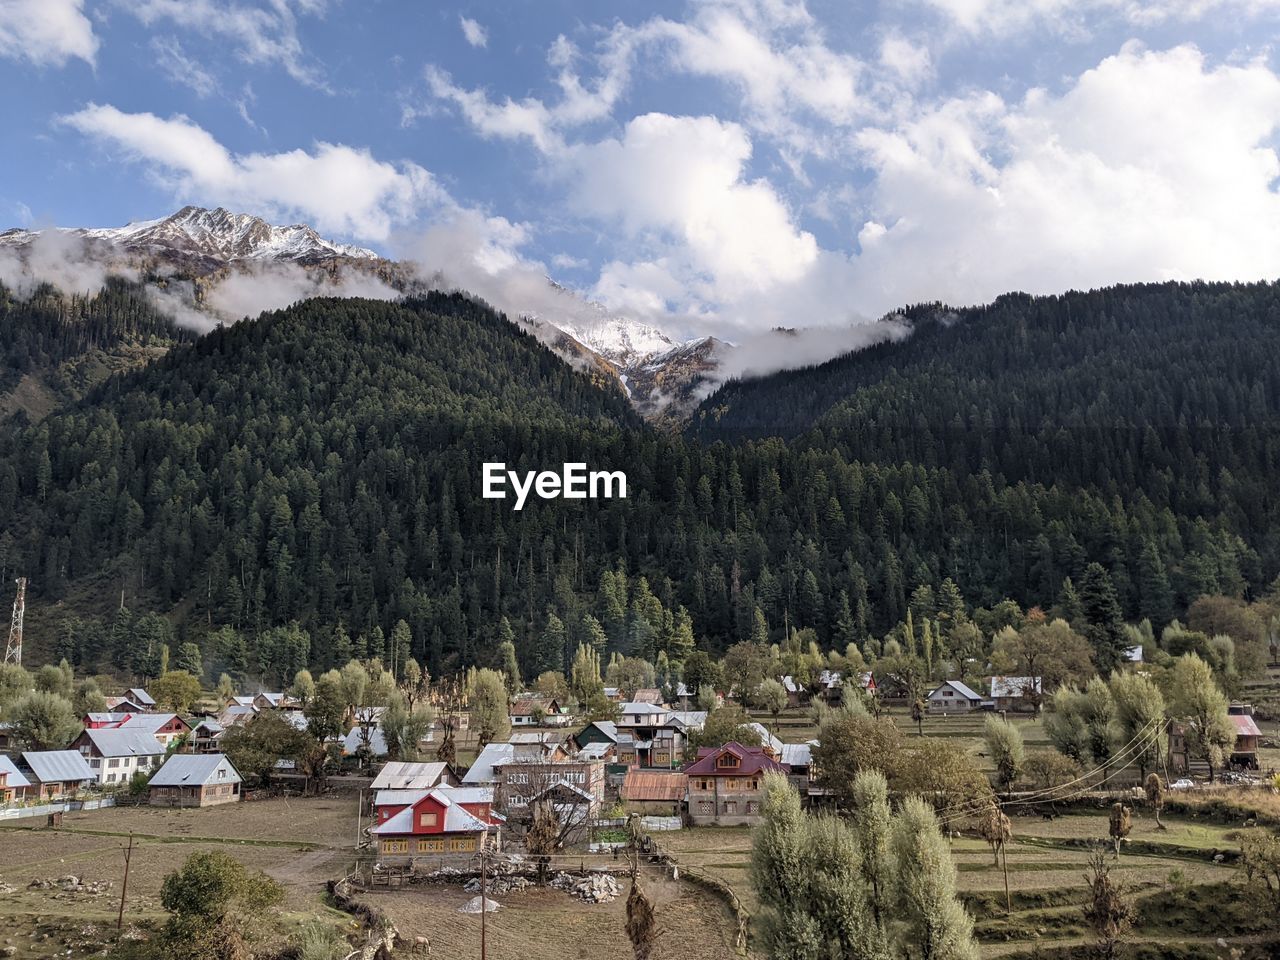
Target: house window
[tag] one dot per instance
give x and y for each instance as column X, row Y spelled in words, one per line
column 462, row 844
column 753, row 807
column 731, row 807
column 706, row 808
column 113, row 762
column 222, row 774
column 430, row 846
column 727, row 760
column 395, row 846
column 427, row 819
column 520, row 778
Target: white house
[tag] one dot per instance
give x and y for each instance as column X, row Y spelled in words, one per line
column 952, row 696
column 116, row 755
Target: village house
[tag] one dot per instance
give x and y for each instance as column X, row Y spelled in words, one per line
column 13, row 784
column 648, row 695
column 953, row 696
column 536, row 711
column 116, row 755
column 726, row 784
column 1017, row 694
column 57, row 773
column 165, row 727
column 194, row 780
column 1244, row 755
column 435, row 823
column 124, row 705
column 597, row 731
column 104, row 721
column 409, row 775
column 538, row 745
column 275, row 701
column 206, row 737
column 522, row 782
column 654, row 792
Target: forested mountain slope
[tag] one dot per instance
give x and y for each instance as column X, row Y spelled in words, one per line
column 1166, row 395
column 53, row 346
column 322, row 465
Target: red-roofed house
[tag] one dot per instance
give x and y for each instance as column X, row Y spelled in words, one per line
column 437, row 822
column 726, row 784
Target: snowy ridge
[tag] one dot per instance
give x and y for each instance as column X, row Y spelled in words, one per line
column 217, row 233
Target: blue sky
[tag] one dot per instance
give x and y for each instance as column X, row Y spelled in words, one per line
column 720, row 165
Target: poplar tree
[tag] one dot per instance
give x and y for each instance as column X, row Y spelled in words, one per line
column 936, row 924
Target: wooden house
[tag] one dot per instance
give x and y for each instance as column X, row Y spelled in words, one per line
column 953, row 696
column 656, row 792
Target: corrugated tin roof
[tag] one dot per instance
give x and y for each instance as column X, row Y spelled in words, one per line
column 456, row 819
column 1245, row 727
column 140, row 697
column 58, row 766
column 482, row 770
column 16, row 777
column 653, row 785
column 796, row 754
column 193, row 769
column 151, row 722
column 1014, row 686
column 119, row 742
column 406, row 775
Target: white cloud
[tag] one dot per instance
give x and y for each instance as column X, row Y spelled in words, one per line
column 909, row 62
column 1152, row 166
column 46, row 32
column 683, row 179
column 1078, row 17
column 65, row 261
column 259, row 34
column 181, row 68
column 475, row 34
column 339, row 189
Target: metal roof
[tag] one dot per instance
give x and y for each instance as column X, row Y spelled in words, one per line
column 456, row 819
column 406, row 775
column 482, row 770
column 959, row 688
column 140, row 697
column 58, row 766
column 1245, row 727
column 15, row 778
column 192, row 769
column 119, row 742
column 354, row 741
column 150, row 722
column 649, row 785
column 1014, row 686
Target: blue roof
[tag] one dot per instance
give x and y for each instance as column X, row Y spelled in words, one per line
column 15, row 779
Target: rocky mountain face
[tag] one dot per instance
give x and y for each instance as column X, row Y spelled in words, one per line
column 202, row 234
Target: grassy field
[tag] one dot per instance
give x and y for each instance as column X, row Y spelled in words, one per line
column 1172, row 873
column 301, row 843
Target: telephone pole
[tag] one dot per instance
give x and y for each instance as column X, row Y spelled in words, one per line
column 484, row 895
column 13, row 652
column 124, row 886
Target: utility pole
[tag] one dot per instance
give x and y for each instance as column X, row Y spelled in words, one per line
column 359, row 817
column 484, row 896
column 13, row 652
column 124, row 886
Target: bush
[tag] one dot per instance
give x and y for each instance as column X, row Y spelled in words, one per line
column 316, row 940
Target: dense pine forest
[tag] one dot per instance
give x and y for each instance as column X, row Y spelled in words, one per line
column 286, row 491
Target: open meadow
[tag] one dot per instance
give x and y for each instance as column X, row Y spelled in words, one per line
column 301, row 842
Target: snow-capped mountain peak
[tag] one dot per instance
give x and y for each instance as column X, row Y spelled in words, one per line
column 218, row 234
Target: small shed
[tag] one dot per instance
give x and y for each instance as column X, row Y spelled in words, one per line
column 657, row 792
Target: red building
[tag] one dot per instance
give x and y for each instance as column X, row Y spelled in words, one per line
column 444, row 820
